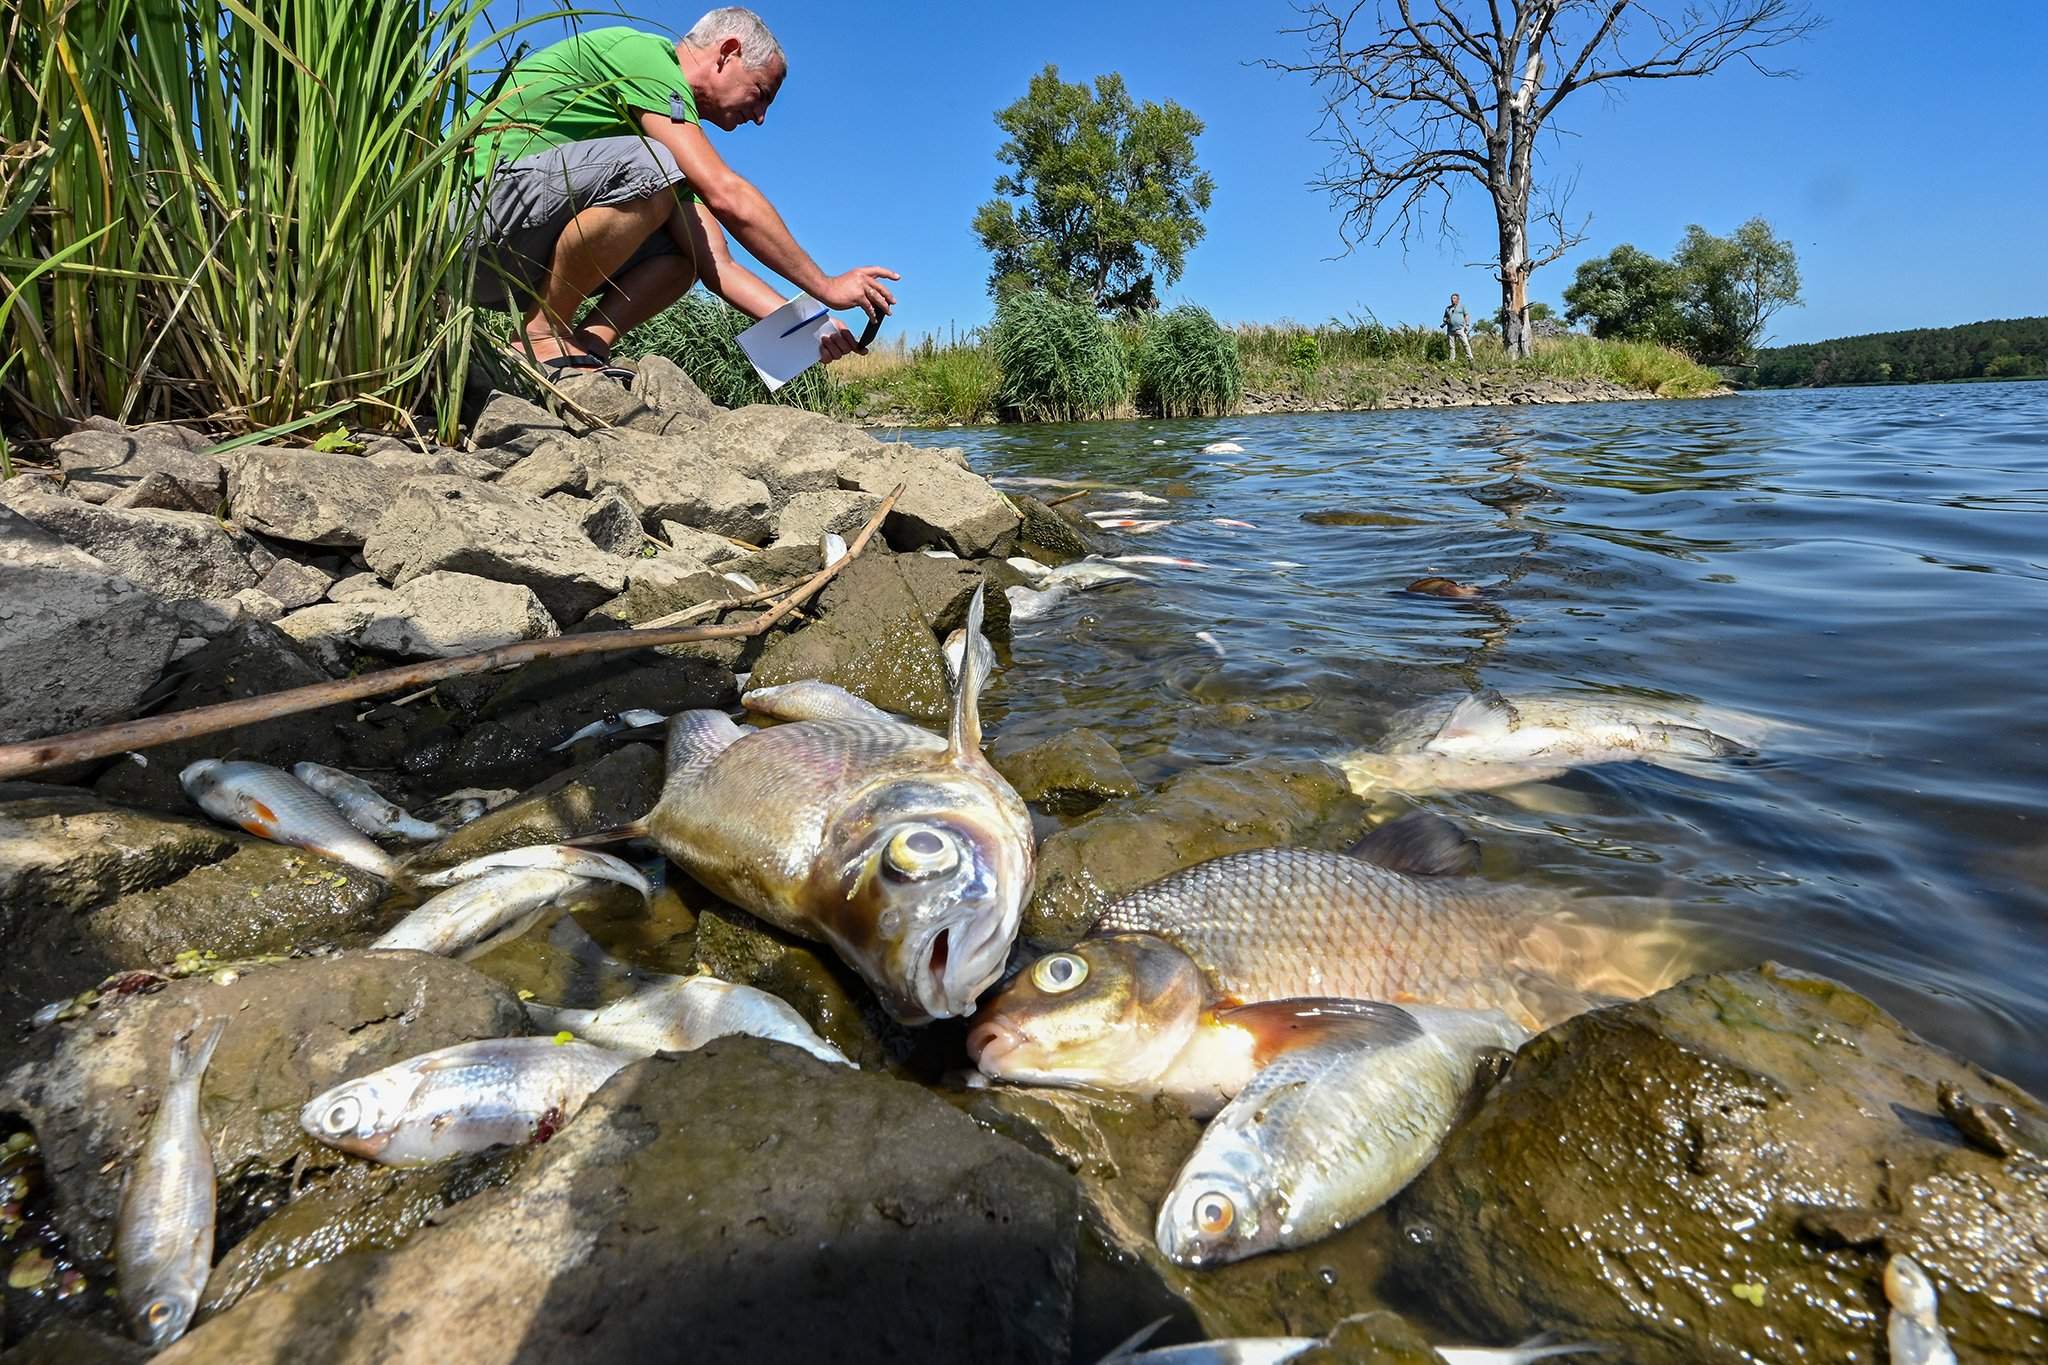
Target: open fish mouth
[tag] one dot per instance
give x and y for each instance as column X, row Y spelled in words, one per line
column 957, row 964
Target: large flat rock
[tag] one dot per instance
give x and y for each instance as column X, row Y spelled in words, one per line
column 943, row 505
column 176, row 554
column 313, row 497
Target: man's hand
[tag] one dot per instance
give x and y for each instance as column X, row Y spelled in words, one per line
column 838, row 342
column 862, row 289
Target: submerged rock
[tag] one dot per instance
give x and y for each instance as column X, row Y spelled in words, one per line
column 1073, row 773
column 741, row 1202
column 88, row 1088
column 1720, row 1172
column 1200, row 814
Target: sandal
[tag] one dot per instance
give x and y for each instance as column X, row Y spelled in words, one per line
column 559, row 367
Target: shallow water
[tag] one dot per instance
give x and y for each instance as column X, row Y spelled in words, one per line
column 1870, row 565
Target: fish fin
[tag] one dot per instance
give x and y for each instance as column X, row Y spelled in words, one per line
column 1127, row 1349
column 695, row 740
column 812, row 699
column 1421, row 844
column 551, row 1018
column 1485, row 712
column 616, row 834
column 188, row 1059
column 965, row 738
column 1280, row 1026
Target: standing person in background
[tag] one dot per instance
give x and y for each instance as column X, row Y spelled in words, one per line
column 602, row 185
column 1457, row 328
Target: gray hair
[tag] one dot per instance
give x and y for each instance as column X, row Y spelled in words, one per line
column 758, row 47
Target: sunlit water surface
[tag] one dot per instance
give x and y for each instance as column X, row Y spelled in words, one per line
column 1867, row 565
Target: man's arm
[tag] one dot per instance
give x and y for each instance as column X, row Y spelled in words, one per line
column 703, row 241
column 734, row 201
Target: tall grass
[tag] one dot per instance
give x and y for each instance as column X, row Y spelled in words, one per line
column 700, row 333
column 1059, row 362
column 1187, row 366
column 259, row 210
column 1640, row 365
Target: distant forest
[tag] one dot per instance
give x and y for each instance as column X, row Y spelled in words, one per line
column 2008, row 349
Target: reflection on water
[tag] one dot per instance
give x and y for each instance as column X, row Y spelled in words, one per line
column 1869, row 566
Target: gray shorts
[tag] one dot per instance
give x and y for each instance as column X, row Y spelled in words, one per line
column 533, row 199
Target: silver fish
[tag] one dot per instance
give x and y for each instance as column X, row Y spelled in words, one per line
column 1913, row 1332
column 811, row 699
column 164, row 1238
column 682, row 1013
column 1090, row 573
column 1329, row 1130
column 1276, row 1350
column 1030, row 568
column 1562, row 728
column 366, row 808
column 906, row 852
column 740, row 580
column 577, row 862
column 272, row 804
column 832, row 547
column 459, row 1100
column 956, row 651
column 469, row 920
column 1137, row 526
column 631, row 719
column 1222, row 448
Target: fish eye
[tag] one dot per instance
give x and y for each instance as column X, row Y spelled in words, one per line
column 342, row 1115
column 1214, row 1213
column 1059, row 973
column 921, row 852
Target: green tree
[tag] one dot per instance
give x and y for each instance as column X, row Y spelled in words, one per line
column 1627, row 295
column 1732, row 287
column 1105, row 199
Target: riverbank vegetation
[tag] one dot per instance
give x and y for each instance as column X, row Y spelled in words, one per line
column 2010, row 348
column 1713, row 299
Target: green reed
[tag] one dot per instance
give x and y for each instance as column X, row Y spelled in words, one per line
column 1059, row 361
column 1187, row 366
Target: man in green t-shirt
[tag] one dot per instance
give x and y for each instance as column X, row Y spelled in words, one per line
column 601, row 185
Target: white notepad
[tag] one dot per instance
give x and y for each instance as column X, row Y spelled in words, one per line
column 779, row 354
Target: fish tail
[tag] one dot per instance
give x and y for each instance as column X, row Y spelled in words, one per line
column 189, row 1060
column 965, row 738
column 554, row 1018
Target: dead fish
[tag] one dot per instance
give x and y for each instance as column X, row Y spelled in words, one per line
column 1233, row 523
column 1136, row 526
column 1913, row 1331
column 740, row 580
column 1222, row 448
column 831, row 547
column 1032, row 481
column 605, row 726
column 1282, row 564
column 1168, row 561
column 1113, row 514
column 1276, row 1350
column 458, row 808
column 906, row 852
column 1441, row 587
column 163, row 1240
column 812, row 699
column 940, row 554
column 476, row 916
column 1538, row 728
column 272, row 804
column 1350, row 1109
column 1030, row 568
column 1133, row 496
column 956, row 648
column 366, row 807
column 1208, row 638
column 682, row 1013
column 460, row 1100
column 577, row 862
column 1088, row 574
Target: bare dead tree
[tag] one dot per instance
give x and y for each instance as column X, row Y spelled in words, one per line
column 1421, row 97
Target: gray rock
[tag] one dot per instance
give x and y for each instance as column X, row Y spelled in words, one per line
column 943, row 589
column 806, row 517
column 509, row 429
column 99, row 465
column 162, row 490
column 328, row 631
column 554, row 468
column 294, row 584
column 438, row 615
column 665, row 570
column 89, row 1087
column 259, row 605
column 612, row 523
column 613, row 791
column 1069, row 774
column 443, row 522
column 789, row 449
column 63, row 850
column 766, row 1200
column 177, row 554
column 942, row 505
column 657, row 595
column 702, row 545
column 310, row 496
column 611, row 404
column 675, row 480
column 661, row 383
column 79, row 644
column 358, row 587
column 403, row 459
column 37, row 481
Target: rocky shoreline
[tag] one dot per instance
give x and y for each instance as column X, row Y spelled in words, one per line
column 1718, row 1172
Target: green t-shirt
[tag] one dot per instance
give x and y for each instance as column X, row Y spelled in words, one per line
column 592, row 85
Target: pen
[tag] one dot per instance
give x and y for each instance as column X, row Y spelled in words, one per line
column 807, row 321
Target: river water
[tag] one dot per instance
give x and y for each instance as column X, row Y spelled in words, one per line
column 1866, row 567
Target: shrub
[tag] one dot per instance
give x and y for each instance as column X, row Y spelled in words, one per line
column 1187, row 366
column 954, row 384
column 699, row 333
column 1058, row 361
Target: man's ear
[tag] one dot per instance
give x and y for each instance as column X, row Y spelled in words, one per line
column 728, row 51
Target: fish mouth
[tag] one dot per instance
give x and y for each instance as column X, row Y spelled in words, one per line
column 989, row 1042
column 956, row 964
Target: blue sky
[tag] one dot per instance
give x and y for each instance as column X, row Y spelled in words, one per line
column 1905, row 164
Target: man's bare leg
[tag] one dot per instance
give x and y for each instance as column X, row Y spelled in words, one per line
column 634, row 297
column 596, row 242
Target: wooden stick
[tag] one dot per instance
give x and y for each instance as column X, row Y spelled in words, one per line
column 1070, row 497
column 56, row 751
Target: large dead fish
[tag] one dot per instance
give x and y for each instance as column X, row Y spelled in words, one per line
column 272, row 804
column 163, row 1242
column 906, row 852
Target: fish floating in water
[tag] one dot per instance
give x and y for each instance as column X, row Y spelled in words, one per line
column 682, row 1013
column 460, row 1100
column 1440, row 587
column 1208, row 638
column 163, row 1239
column 1222, row 448
column 1331, row 1128
column 907, row 853
column 1137, row 526
column 1028, row 604
column 272, row 804
column 1913, row 1332
column 1166, row 561
column 606, row 726
column 1232, row 523
column 364, row 806
column 1030, row 568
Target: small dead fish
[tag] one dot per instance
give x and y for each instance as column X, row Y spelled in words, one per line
column 812, row 699
column 1030, row 568
column 458, row 808
column 940, row 554
column 1210, row 640
column 956, row 655
column 1133, row 496
column 832, row 547
column 1090, row 573
column 1165, row 561
column 1222, row 448
column 740, row 580
column 366, row 807
column 1282, row 564
column 1113, row 514
column 611, row 725
column 272, row 804
column 1573, row 730
column 1440, row 587
column 1233, row 523
column 163, row 1240
column 1032, row 481
column 681, row 1014
column 1344, row 1116
column 1277, row 1350
column 469, row 920
column 141, row 760
column 577, row 862
column 1913, row 1331
column 462, row 1099
column 1134, row 525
